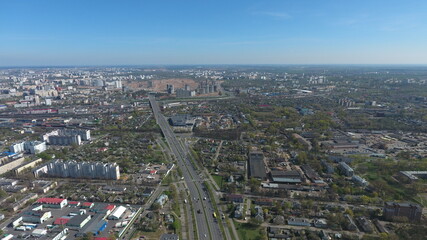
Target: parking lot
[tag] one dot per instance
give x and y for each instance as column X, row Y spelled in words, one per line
column 97, row 213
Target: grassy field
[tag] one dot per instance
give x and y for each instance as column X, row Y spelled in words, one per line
column 149, row 235
column 247, row 232
column 218, row 179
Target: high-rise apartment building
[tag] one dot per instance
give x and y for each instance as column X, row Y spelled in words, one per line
column 73, row 169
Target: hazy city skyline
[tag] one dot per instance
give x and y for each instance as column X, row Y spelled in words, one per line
column 41, row 33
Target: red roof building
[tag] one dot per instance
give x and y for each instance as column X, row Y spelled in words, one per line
column 110, row 207
column 74, row 203
column 88, row 204
column 61, row 221
column 52, row 202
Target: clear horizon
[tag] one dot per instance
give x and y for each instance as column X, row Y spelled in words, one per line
column 213, row 64
column 135, row 33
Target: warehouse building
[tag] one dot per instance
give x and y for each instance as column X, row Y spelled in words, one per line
column 117, row 213
column 99, row 227
column 412, row 176
column 286, row 176
column 36, row 216
column 52, row 202
column 312, row 175
column 95, row 226
column 257, row 166
column 182, row 121
column 62, row 220
column 55, row 234
column 77, row 222
column 88, row 205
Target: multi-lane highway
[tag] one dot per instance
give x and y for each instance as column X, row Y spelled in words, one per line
column 207, row 226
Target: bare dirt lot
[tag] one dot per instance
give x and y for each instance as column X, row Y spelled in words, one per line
column 160, row 85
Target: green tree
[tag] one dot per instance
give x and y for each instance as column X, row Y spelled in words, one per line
column 45, row 156
column 155, row 206
column 2, row 193
column 254, row 184
column 253, row 222
column 176, row 225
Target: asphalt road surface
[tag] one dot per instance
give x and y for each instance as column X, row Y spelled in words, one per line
column 207, row 225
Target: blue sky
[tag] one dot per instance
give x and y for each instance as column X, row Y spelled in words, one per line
column 92, row 32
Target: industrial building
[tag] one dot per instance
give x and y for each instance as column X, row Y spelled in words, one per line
column 8, row 182
column 412, row 176
column 286, row 176
column 77, row 222
column 257, row 166
column 182, row 121
column 95, row 226
column 43, row 186
column 26, row 165
column 312, row 175
column 393, row 209
column 9, row 163
column 73, row 169
column 52, row 202
column 36, row 216
column 117, row 213
column 88, row 205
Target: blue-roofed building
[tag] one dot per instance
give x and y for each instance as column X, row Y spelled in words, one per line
column 99, row 227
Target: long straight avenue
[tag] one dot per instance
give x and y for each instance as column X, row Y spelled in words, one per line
column 206, row 224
